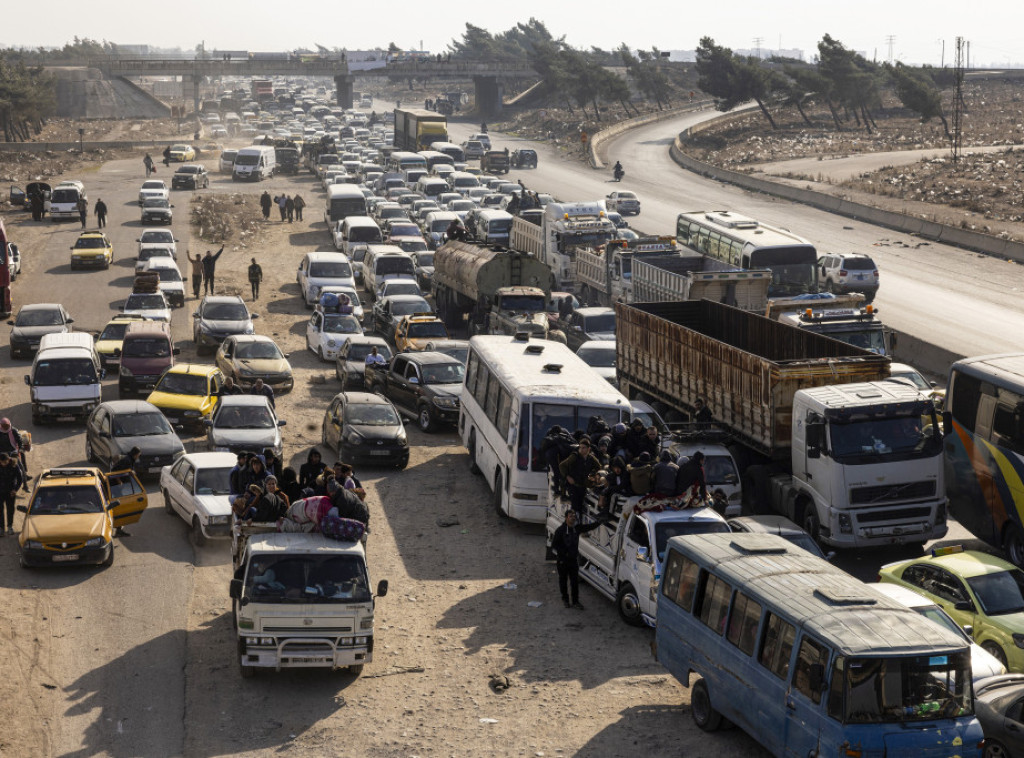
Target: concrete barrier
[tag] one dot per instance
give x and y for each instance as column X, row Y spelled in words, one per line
column 623, row 126
column 59, row 147
column 931, row 360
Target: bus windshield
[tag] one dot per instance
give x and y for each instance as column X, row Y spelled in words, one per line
column 793, row 269
column 924, row 688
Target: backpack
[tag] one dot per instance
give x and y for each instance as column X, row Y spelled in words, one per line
column 597, row 427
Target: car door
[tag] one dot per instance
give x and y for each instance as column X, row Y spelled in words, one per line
column 803, row 700
column 335, row 414
column 1012, row 732
column 300, row 277
column 400, row 335
column 94, row 434
column 398, row 387
column 188, row 488
column 173, row 490
column 313, row 332
column 225, row 355
column 126, row 497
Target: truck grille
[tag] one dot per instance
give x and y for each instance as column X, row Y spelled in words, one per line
column 308, row 631
column 888, row 493
column 900, row 514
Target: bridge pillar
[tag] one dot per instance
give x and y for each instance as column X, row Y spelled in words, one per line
column 343, row 83
column 489, row 93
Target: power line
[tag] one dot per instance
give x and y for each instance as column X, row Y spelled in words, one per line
column 757, row 44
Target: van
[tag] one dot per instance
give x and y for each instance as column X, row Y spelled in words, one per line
column 489, row 226
column 435, row 158
column 343, row 200
column 254, row 163
column 385, row 262
column 357, row 230
column 413, row 175
column 400, row 160
column 318, row 270
column 462, row 182
column 456, row 153
column 64, row 200
column 227, row 161
column 146, row 352
column 65, row 378
column 432, row 186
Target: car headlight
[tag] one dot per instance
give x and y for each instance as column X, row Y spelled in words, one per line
column 33, row 545
column 360, row 640
column 192, row 414
column 355, row 438
column 245, row 371
column 96, row 542
column 219, row 519
column 248, row 329
column 402, row 439
column 331, row 343
column 448, row 403
column 126, row 372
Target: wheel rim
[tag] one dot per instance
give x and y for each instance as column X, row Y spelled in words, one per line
column 1015, row 546
column 424, row 419
column 701, row 705
column 995, row 750
column 629, row 604
column 811, row 524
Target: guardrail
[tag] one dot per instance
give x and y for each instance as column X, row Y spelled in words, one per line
column 59, row 147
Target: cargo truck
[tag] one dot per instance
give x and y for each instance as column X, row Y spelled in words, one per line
column 818, row 436
column 501, row 291
column 855, row 326
column 417, row 130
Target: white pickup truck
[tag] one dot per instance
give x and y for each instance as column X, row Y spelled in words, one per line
column 301, row 601
column 617, row 558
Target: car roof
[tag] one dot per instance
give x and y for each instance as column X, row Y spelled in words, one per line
column 211, row 460
column 244, row 400
column 223, row 299
column 608, row 345
column 402, row 298
column 364, row 398
column 365, row 339
column 966, row 564
column 92, row 234
column 902, row 594
column 318, row 256
column 249, row 338
column 429, row 356
column 192, row 369
column 52, row 477
column 129, row 406
column 41, row 307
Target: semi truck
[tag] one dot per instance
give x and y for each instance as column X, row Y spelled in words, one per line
column 501, row 291
column 300, row 600
column 564, row 229
column 417, row 130
column 852, row 325
column 817, row 433
column 653, row 269
column 262, row 90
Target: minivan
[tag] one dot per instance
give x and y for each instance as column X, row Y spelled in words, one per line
column 386, row 262
column 432, row 186
column 254, row 163
column 145, row 353
column 343, row 200
column 227, row 161
column 356, row 230
column 65, row 378
column 64, row 200
column 489, row 226
column 462, row 182
column 318, row 270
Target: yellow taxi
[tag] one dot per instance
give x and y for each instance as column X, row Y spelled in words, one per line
column 73, row 512
column 414, row 332
column 182, row 153
column 92, row 249
column 186, row 393
column 109, row 340
column 982, row 593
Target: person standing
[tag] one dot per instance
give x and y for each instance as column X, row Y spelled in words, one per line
column 265, row 205
column 289, row 208
column 12, row 443
column 83, row 210
column 702, row 417
column 259, row 388
column 167, row 155
column 255, row 277
column 10, row 479
column 311, row 469
column 565, row 543
column 37, row 206
column 197, row 274
column 210, row 270
column 148, row 163
column 299, row 204
column 100, row 209
column 127, row 462
column 282, row 205
column 577, row 470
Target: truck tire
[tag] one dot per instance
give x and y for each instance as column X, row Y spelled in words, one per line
column 355, row 669
column 809, row 522
column 1013, row 544
column 628, row 603
column 704, row 716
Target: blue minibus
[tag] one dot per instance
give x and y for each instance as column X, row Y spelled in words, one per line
column 807, row 659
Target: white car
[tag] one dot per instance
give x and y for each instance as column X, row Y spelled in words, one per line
column 13, row 260
column 171, row 283
column 327, row 332
column 197, row 488
column 148, row 252
column 319, row 270
column 159, row 237
column 153, row 188
column 600, row 356
column 151, row 305
column 357, row 305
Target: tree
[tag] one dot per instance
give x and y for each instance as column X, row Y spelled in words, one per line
column 393, row 48
column 852, row 80
column 732, row 80
column 28, row 96
column 917, row 91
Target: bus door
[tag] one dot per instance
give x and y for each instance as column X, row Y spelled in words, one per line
column 804, row 699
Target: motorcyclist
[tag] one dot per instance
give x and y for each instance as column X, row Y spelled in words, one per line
column 617, row 171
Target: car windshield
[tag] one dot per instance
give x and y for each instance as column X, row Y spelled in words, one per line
column 341, row 324
column 306, row 579
column 886, row 439
column 603, row 323
column 244, row 417
column 359, row 351
column 187, row 170
column 54, row 501
column 154, row 185
column 666, row 530
column 225, row 312
column 145, row 302
column 167, row 274
column 940, row 617
column 999, row 593
column 443, row 373
column 523, row 303
column 423, row 330
column 371, row 414
column 257, row 351
column 141, row 425
column 39, row 317
column 213, row 481
column 597, row 357
column 154, row 252
column 90, row 242
column 156, row 236
column 157, row 202
column 917, row 688
column 720, row 469
column 113, row 331
column 408, row 307
column 146, row 348
column 395, row 264
column 182, row 384
column 404, row 230
column 413, row 245
column 50, row 372
column 330, row 270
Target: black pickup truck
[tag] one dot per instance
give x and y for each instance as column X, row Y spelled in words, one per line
column 424, row 386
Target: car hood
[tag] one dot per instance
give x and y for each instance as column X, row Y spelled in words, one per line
column 107, row 347
column 152, row 444
column 256, row 437
column 214, row 505
column 265, row 365
column 227, row 327
column 376, row 432
column 28, row 332
column 446, row 390
column 70, row 527
column 177, row 402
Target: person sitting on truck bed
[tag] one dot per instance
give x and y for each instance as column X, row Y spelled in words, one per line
column 664, row 475
column 603, row 451
column 579, row 469
column 311, row 469
column 616, row 483
column 635, row 439
column 271, row 506
column 641, row 474
column 690, row 475
column 348, row 503
column 556, row 446
column 618, row 445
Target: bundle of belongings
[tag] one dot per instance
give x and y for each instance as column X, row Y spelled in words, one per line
column 319, row 514
column 336, row 302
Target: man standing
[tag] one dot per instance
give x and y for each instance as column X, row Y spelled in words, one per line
column 83, row 210
column 577, row 470
column 565, row 542
column 299, row 204
column 10, row 479
column 282, row 205
column 101, row 213
column 255, row 277
column 12, row 443
column 259, row 388
column 265, row 205
column 289, row 208
column 197, row 274
column 148, row 163
column 210, row 270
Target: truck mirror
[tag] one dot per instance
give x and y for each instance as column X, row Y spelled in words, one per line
column 947, row 422
column 28, row 380
column 816, row 677
column 382, row 588
column 235, row 589
column 815, row 438
column 642, row 554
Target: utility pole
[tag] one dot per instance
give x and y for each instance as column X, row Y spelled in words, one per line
column 943, row 59
column 757, row 45
column 958, row 99
column 890, row 40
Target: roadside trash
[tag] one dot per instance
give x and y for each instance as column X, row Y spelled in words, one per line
column 488, row 721
column 447, row 520
column 500, row 682
column 511, row 586
column 534, row 604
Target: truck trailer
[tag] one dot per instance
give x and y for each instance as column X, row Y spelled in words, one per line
column 417, row 130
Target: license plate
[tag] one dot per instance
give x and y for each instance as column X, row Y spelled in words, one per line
column 307, row 660
column 65, row 558
column 66, row 417
column 380, row 452
column 155, row 469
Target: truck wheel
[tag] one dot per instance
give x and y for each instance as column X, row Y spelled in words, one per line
column 810, row 522
column 356, row 669
column 1013, row 544
column 196, row 535
column 473, row 468
column 425, row 420
column 499, row 486
column 167, row 503
column 704, row 716
column 629, row 605
column 247, row 672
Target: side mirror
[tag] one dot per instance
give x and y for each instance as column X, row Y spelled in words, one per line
column 117, row 352
column 382, row 588
column 176, row 351
column 70, row 321
column 964, row 605
column 11, row 322
column 816, row 677
column 830, row 555
column 28, row 380
column 414, row 380
column 235, row 589
column 254, row 315
column 103, row 373
column 968, row 630
column 207, row 422
column 281, row 422
column 195, row 315
column 643, row 554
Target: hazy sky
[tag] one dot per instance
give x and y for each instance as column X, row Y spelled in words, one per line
column 991, row 26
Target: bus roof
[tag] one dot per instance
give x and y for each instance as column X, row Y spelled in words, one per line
column 743, row 228
column 520, row 365
column 1005, row 368
column 835, row 607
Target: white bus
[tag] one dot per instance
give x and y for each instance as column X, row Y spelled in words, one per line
column 516, row 389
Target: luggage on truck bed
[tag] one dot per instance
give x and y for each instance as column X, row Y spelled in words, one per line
column 146, row 282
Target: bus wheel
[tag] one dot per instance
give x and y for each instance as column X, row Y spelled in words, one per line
column 704, row 716
column 629, row 605
column 473, row 468
column 499, row 486
column 1013, row 543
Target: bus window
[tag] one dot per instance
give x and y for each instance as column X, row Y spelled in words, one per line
column 523, row 450
column 743, row 623
column 811, row 655
column 966, row 394
column 777, row 645
column 504, row 411
column 480, row 391
column 472, row 367
column 714, row 605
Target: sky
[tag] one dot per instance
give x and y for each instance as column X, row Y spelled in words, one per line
column 917, row 28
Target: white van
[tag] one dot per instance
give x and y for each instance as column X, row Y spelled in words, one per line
column 385, row 262
column 64, row 200
column 227, row 161
column 343, row 200
column 432, row 186
column 462, row 182
column 254, row 163
column 356, row 230
column 65, row 378
column 319, row 270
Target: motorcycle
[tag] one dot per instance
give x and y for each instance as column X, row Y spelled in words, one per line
column 619, row 173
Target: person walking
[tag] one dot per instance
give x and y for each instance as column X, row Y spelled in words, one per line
column 148, row 163
column 255, row 277
column 265, row 205
column 565, row 543
column 197, row 274
column 210, row 270
column 83, row 210
column 15, row 445
column 282, row 205
column 299, row 204
column 11, row 479
column 167, row 155
column 100, row 209
column 289, row 207
column 577, row 470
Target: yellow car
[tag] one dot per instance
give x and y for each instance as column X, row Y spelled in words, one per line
column 182, row 153
column 982, row 593
column 186, row 393
column 72, row 514
column 414, row 332
column 92, row 249
column 110, row 339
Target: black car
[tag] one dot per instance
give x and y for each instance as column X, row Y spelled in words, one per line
column 388, row 311
column 115, row 427
column 365, row 428
column 32, row 322
column 425, row 386
column 524, row 159
column 190, row 176
column 156, row 210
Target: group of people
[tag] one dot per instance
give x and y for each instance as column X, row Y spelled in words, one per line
column 290, row 208
column 204, row 271
column 259, row 387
